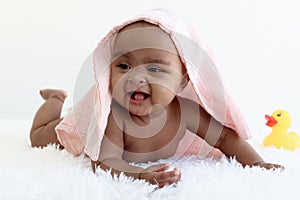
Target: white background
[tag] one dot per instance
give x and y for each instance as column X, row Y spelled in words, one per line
column 44, row 42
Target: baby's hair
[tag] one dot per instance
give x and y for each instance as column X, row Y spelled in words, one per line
column 140, row 22
column 146, row 24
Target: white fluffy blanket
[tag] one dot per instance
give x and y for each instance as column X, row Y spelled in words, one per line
column 32, row 173
column 256, row 41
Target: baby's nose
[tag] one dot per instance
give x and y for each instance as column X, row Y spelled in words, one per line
column 137, row 75
column 137, row 79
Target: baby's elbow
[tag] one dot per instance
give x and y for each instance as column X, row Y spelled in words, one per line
column 98, row 164
column 33, row 140
column 94, row 165
column 226, row 136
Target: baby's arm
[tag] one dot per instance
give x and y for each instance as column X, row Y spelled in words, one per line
column 224, row 138
column 111, row 153
column 233, row 145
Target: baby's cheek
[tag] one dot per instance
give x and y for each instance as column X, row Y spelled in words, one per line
column 162, row 96
column 116, row 83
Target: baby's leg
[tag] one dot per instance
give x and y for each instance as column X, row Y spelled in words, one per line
column 46, row 118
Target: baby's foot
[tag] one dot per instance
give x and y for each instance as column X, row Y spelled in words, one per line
column 53, row 93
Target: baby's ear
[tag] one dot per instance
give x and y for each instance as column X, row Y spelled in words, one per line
column 184, row 82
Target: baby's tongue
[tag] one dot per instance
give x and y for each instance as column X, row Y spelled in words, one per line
column 139, row 96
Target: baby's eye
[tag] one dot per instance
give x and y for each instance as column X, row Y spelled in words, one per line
column 153, row 68
column 123, row 66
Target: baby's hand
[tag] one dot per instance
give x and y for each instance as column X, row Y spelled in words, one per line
column 157, row 175
column 262, row 164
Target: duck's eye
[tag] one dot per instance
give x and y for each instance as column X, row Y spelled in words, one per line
column 279, row 114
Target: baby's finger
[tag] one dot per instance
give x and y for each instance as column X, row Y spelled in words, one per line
column 170, row 181
column 158, row 168
column 163, row 167
column 179, row 172
column 171, row 176
column 272, row 166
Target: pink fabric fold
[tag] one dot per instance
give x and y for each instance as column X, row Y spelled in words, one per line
column 82, row 129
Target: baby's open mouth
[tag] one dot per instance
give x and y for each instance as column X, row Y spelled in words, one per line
column 138, row 96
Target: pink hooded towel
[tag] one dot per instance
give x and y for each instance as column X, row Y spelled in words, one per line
column 82, row 129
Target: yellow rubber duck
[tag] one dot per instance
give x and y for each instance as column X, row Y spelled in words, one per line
column 280, row 122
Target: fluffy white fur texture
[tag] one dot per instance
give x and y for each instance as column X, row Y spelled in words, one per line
column 49, row 173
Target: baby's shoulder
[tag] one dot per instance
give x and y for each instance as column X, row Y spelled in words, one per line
column 187, row 107
column 186, row 103
column 190, row 107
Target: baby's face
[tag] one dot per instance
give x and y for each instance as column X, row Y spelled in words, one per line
column 145, row 73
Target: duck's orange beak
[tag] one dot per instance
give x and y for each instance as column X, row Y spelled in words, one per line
column 271, row 121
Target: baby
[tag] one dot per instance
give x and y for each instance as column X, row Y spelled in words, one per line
column 147, row 118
